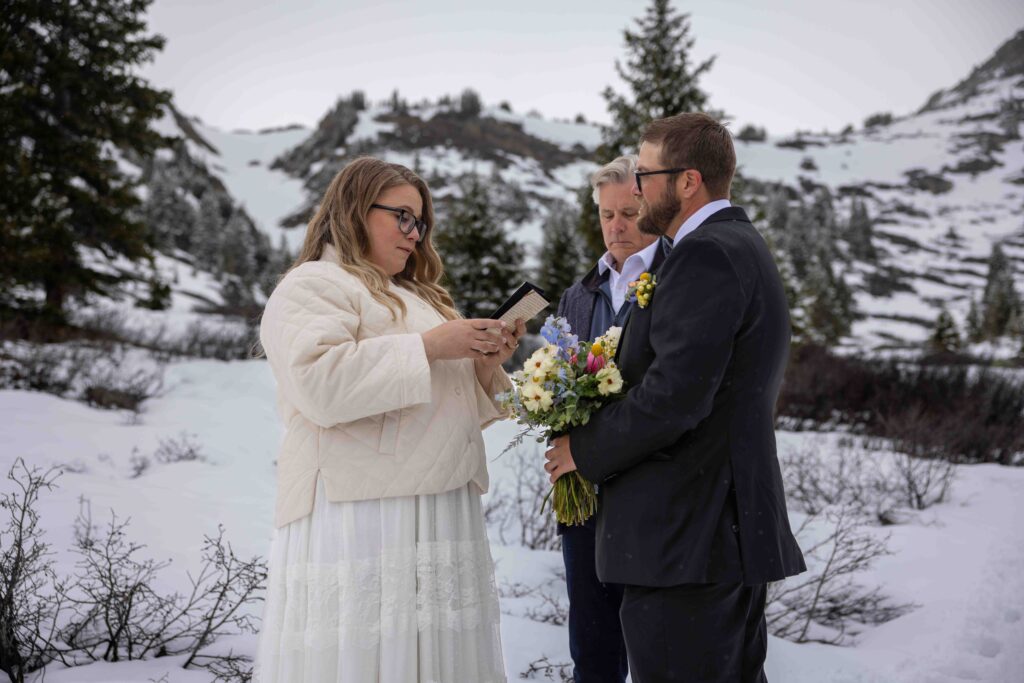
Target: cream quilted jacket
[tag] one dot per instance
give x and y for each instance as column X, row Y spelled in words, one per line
column 361, row 406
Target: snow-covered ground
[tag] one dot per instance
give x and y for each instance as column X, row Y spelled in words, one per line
column 960, row 562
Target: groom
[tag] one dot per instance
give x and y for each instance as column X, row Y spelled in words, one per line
column 692, row 515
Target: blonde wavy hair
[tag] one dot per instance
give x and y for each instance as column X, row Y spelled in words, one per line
column 341, row 221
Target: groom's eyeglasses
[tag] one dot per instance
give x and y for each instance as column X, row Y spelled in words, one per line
column 406, row 221
column 640, row 174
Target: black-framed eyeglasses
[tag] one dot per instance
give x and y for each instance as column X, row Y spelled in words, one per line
column 641, row 174
column 406, row 220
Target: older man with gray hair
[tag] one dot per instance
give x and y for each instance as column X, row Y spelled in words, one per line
column 592, row 305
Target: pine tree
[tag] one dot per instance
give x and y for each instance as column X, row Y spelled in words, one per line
column 278, row 264
column 71, row 97
column 239, row 252
column 822, row 224
column 797, row 239
column 1000, row 302
column 660, row 75
column 169, row 217
column 974, row 326
column 860, row 233
column 588, row 223
column 561, row 259
column 777, row 210
column 796, row 297
column 209, row 234
column 830, row 302
column 661, row 81
column 469, row 103
column 945, row 337
column 482, row 265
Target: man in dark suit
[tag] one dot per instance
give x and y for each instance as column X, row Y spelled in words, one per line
column 591, row 306
column 691, row 511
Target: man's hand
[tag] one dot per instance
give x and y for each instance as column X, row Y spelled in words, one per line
column 559, row 458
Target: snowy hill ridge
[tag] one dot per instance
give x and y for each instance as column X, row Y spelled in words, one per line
column 941, row 185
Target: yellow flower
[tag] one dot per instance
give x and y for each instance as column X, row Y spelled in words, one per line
column 645, row 276
column 597, row 349
column 609, row 380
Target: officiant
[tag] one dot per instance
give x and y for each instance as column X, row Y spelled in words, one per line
column 592, row 305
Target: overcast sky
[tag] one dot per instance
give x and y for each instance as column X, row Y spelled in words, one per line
column 783, row 64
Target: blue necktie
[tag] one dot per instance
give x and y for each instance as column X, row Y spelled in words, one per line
column 666, row 245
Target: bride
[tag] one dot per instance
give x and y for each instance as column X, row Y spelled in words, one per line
column 380, row 568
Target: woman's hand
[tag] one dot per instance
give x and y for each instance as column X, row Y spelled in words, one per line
column 473, row 338
column 509, row 343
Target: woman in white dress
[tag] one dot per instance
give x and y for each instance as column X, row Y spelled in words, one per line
column 380, row 570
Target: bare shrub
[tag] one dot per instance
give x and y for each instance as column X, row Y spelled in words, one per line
column 515, row 590
column 100, row 376
column 110, row 609
column 216, row 341
column 818, row 476
column 26, row 573
column 924, row 476
column 139, row 463
column 515, row 515
column 551, row 608
column 957, row 412
column 183, row 449
column 53, row 369
column 221, row 340
column 229, row 668
column 122, row 389
column 924, row 481
column 827, row 604
column 550, row 671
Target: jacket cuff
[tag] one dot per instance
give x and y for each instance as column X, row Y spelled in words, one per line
column 415, row 369
column 490, row 410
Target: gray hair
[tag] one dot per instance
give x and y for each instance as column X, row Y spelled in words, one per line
column 613, row 173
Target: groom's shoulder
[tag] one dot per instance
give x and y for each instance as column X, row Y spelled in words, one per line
column 730, row 228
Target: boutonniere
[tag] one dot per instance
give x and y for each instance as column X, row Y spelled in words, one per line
column 642, row 289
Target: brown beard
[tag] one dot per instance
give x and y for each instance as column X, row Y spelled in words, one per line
column 658, row 217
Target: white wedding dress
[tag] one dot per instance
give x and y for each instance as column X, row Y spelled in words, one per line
column 399, row 590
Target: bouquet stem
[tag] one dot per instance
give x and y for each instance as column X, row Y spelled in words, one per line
column 573, row 499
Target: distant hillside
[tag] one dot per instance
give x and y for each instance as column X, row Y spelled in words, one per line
column 940, row 186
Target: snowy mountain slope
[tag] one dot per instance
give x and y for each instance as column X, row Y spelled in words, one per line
column 937, row 234
column 958, row 562
column 942, row 185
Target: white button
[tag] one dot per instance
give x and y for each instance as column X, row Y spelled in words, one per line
column 458, row 391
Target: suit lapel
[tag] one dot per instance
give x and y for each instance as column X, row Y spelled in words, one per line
column 659, row 258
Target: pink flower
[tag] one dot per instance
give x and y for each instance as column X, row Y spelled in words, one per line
column 594, row 363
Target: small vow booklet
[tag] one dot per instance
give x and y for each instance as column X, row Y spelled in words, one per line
column 525, row 303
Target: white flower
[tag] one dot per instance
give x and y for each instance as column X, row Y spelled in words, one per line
column 610, row 340
column 609, row 380
column 536, row 397
column 542, row 361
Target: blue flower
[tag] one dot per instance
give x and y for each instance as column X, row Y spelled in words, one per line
column 557, row 331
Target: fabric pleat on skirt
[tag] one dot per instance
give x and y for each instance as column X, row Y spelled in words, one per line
column 397, row 590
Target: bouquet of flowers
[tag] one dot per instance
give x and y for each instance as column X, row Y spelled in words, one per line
column 560, row 386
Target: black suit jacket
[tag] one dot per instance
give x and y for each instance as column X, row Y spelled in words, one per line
column 691, row 490
column 577, row 306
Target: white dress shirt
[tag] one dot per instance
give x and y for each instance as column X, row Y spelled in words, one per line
column 618, row 280
column 702, row 214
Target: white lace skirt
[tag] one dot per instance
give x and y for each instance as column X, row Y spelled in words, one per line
column 399, row 590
